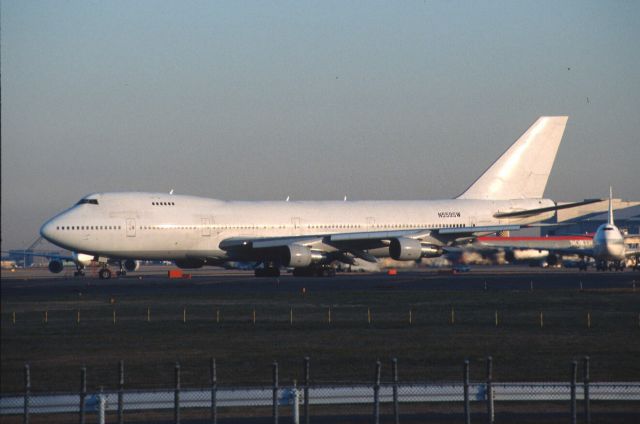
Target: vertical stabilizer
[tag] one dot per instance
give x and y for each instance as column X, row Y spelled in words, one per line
column 611, row 206
column 523, row 170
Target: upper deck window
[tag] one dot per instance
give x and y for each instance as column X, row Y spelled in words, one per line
column 89, row 201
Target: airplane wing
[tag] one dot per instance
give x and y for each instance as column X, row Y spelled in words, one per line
column 551, row 247
column 343, row 246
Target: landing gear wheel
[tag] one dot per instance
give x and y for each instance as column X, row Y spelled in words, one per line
column 78, row 273
column 104, row 274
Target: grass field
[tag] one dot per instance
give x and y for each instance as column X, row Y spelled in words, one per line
column 220, row 325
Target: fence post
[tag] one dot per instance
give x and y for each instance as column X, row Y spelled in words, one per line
column 295, row 407
column 275, row 392
column 102, row 406
column 587, row 397
column 27, row 392
column 396, row 405
column 376, row 394
column 121, row 392
column 83, row 392
column 306, row 389
column 214, row 392
column 465, row 377
column 490, row 410
column 574, row 372
column 176, row 395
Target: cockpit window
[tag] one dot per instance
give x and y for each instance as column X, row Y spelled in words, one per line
column 89, row 201
column 608, row 228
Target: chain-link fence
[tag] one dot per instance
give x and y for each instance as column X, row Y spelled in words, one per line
column 576, row 399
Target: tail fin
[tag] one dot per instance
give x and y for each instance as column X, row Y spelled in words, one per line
column 523, row 170
column 611, row 206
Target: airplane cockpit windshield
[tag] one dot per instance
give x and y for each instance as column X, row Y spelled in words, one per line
column 89, row 201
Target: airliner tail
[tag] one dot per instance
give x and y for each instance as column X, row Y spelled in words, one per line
column 523, row 170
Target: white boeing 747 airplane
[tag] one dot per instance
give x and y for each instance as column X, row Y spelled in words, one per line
column 608, row 247
column 309, row 236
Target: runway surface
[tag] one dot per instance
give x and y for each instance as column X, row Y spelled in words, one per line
column 154, row 280
column 532, row 321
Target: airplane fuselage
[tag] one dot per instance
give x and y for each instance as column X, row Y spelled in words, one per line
column 161, row 226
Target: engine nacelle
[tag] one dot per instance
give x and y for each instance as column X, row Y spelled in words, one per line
column 82, row 259
column 55, row 266
column 189, row 263
column 131, row 265
column 406, row 249
column 298, row 256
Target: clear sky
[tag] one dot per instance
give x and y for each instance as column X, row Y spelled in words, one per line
column 313, row 100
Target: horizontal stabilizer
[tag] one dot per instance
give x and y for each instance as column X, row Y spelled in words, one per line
column 533, row 212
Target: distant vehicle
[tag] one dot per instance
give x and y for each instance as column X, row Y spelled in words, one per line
column 9, row 264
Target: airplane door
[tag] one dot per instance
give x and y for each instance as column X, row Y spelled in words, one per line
column 206, row 228
column 295, row 223
column 131, row 227
column 371, row 222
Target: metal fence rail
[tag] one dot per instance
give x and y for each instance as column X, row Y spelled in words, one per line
column 318, row 395
column 404, row 396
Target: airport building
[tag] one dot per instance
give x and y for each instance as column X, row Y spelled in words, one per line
column 26, row 258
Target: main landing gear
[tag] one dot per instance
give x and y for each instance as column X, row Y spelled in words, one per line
column 610, row 266
column 272, row 270
column 79, row 272
column 122, row 271
column 315, row 271
column 104, row 273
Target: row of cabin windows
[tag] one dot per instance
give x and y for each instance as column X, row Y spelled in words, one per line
column 389, row 226
column 153, row 227
column 281, row 227
column 224, row 227
column 163, row 203
column 89, row 227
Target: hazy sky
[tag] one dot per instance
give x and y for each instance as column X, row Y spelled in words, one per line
column 262, row 100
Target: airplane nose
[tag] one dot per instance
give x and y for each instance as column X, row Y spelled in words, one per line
column 48, row 230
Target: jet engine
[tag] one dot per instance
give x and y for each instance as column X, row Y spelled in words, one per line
column 189, row 263
column 406, row 249
column 82, row 259
column 298, row 256
column 55, row 266
column 131, row 265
